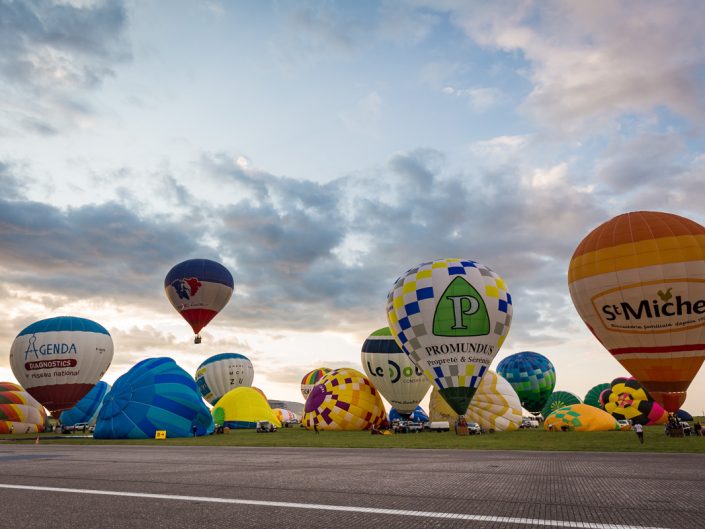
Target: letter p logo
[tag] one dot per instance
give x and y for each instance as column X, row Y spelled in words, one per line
column 461, row 311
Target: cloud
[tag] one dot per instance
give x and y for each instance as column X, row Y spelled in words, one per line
column 53, row 53
column 591, row 62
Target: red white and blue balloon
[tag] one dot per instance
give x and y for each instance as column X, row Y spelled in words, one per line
column 199, row 289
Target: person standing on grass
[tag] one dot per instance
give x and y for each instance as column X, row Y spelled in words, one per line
column 639, row 429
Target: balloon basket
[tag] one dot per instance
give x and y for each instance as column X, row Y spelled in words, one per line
column 197, row 339
column 462, row 430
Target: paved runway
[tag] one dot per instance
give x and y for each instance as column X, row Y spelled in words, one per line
column 203, row 487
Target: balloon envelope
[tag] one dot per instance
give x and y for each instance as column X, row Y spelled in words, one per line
column 581, row 418
column 156, row 394
column 532, row 376
column 418, row 415
column 243, row 407
column 199, row 289
column 86, row 410
column 392, row 372
column 19, row 411
column 638, row 282
column 626, row 398
column 495, row 406
column 344, row 400
column 59, row 360
column 592, row 397
column 450, row 316
column 559, row 399
column 311, row 379
column 220, row 373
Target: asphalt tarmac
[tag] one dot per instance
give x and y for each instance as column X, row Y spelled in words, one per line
column 204, row 487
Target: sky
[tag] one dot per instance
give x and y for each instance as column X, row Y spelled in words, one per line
column 319, row 150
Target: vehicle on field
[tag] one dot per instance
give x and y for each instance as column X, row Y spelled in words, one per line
column 474, row 428
column 624, row 425
column 438, row 426
column 529, row 422
column 266, row 426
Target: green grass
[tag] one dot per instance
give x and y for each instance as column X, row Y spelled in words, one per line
column 655, row 440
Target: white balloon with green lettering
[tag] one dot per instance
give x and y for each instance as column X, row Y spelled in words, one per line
column 451, row 316
column 392, row 372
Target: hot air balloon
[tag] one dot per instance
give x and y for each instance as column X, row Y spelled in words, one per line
column 418, row 415
column 19, row 411
column 59, row 360
column 495, row 406
column 392, row 372
column 580, row 418
column 87, row 409
column 627, row 399
column 450, row 316
column 592, row 397
column 532, row 376
column 155, row 394
column 559, row 399
column 311, row 379
column 343, row 400
column 221, row 373
column 285, row 416
column 243, row 407
column 638, row 282
column 198, row 289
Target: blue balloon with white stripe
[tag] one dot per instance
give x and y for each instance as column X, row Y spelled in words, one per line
column 156, row 394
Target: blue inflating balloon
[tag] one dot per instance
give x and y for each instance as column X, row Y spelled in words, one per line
column 155, row 394
column 86, row 410
column 684, row 415
column 418, row 415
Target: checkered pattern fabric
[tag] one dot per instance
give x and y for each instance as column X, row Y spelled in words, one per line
column 411, row 306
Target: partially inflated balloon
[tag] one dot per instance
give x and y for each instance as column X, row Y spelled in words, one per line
column 59, row 360
column 532, row 376
column 199, row 289
column 559, row 399
column 285, row 416
column 392, row 372
column 638, row 282
column 87, row 409
column 580, row 418
column 243, row 407
column 592, row 397
column 495, row 406
column 156, row 394
column 451, row 316
column 418, row 415
column 221, row 373
column 626, row 398
column 19, row 411
column 311, row 379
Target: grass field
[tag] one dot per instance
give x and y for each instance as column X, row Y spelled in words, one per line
column 655, row 440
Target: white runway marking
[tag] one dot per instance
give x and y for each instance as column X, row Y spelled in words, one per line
column 343, row 508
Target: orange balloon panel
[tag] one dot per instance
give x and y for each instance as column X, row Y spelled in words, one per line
column 638, row 282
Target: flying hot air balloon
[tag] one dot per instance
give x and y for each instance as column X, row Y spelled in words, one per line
column 450, row 316
column 220, row 373
column 198, row 289
column 59, row 360
column 638, row 282
column 392, row 372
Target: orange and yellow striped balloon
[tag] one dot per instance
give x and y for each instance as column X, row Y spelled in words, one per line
column 638, row 282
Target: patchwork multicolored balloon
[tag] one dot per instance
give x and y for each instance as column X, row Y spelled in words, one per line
column 19, row 411
column 559, row 399
column 344, row 400
column 450, row 316
column 628, row 399
column 532, row 376
column 638, row 283
column 580, row 418
column 392, row 372
column 495, row 406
